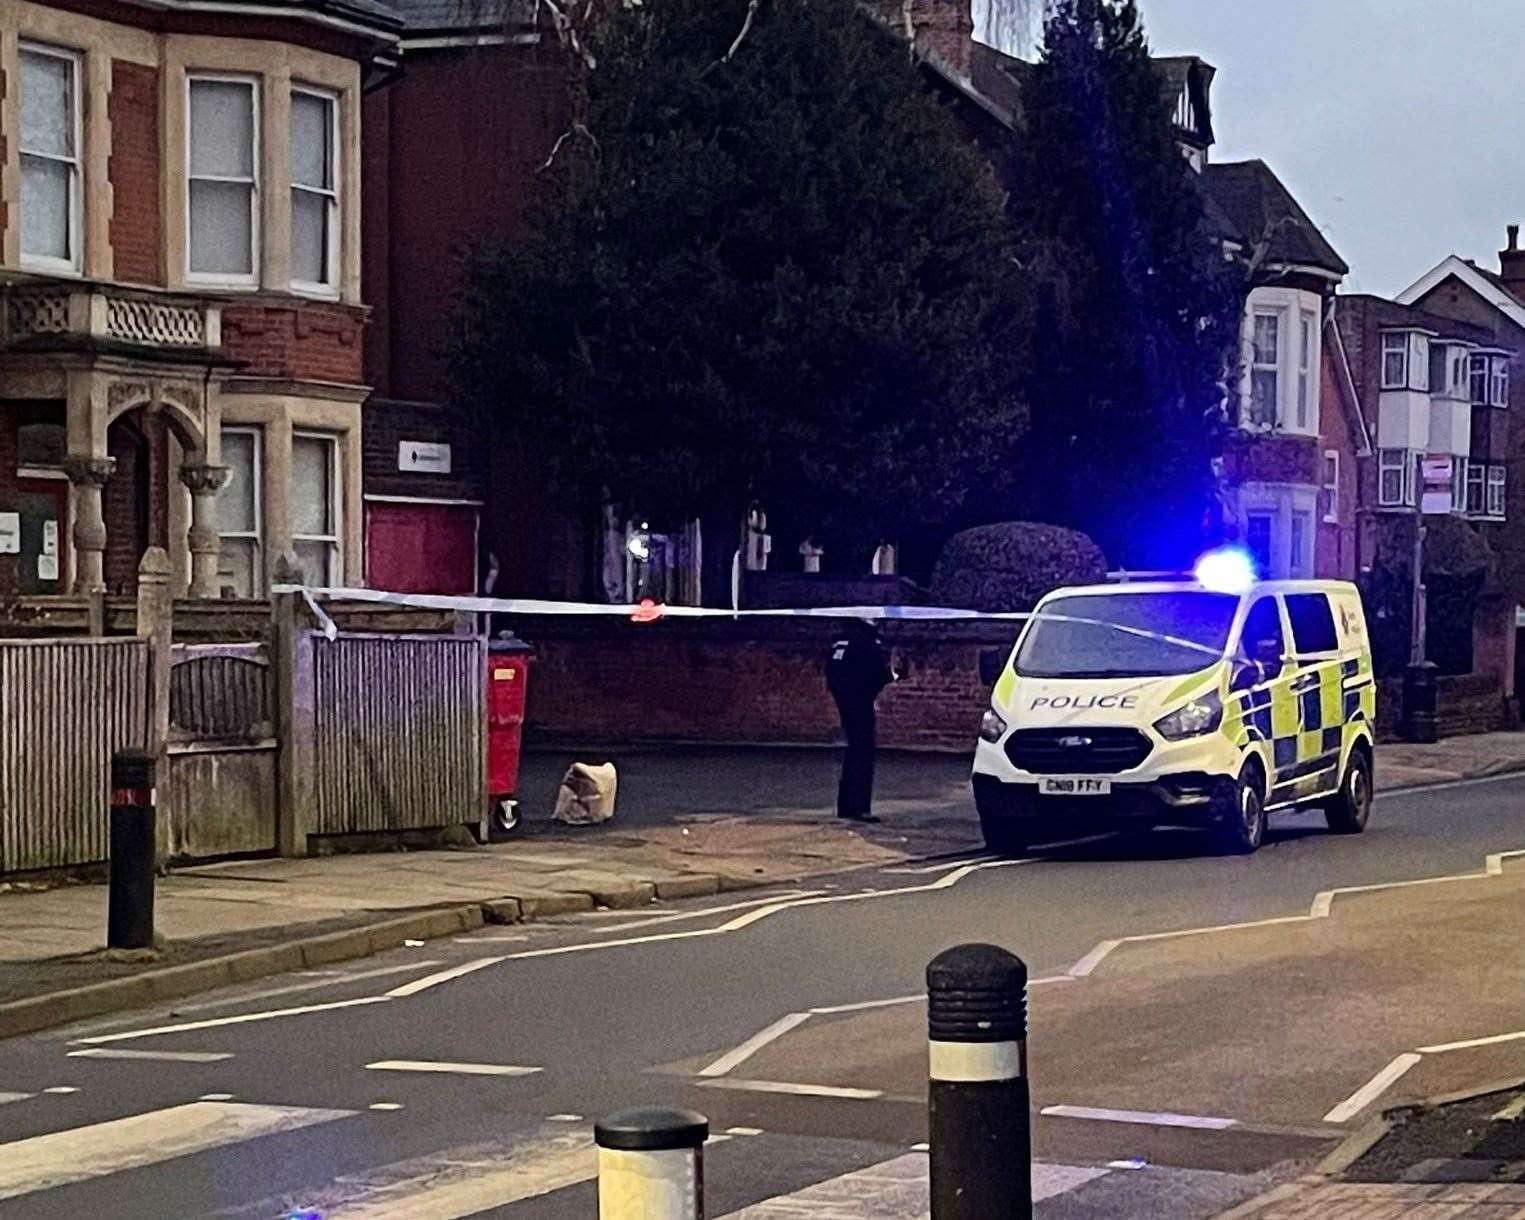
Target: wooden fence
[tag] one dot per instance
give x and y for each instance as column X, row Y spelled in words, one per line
column 398, row 732
column 65, row 705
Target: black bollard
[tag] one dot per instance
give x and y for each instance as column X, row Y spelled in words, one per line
column 130, row 904
column 1418, row 720
column 651, row 1165
column 980, row 1132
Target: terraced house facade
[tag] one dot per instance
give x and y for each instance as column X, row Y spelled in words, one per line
column 180, row 353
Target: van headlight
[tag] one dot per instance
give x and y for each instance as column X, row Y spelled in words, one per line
column 1201, row 715
column 992, row 727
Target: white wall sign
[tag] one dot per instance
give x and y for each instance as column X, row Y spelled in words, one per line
column 10, row 533
column 50, row 536
column 423, row 457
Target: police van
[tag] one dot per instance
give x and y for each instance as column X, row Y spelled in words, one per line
column 1180, row 703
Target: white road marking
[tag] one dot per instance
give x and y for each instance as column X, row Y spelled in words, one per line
column 443, row 976
column 61, row 1090
column 1372, row 1089
column 1141, row 1117
column 564, row 1118
column 1422, row 789
column 7, row 1098
column 700, row 913
column 741, row 922
column 1472, row 1043
column 216, row 1097
column 455, row 1069
column 921, row 1147
column 785, row 1086
column 461, row 1182
column 101, row 1052
column 865, row 1005
column 242, row 1018
column 735, row 1058
column 386, row 1106
column 1093, row 959
column 743, row 1130
column 82, row 1153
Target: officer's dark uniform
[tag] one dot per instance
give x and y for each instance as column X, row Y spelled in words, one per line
column 856, row 671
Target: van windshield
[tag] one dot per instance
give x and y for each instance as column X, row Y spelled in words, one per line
column 1127, row 635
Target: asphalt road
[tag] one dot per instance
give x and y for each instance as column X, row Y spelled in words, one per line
column 264, row 1100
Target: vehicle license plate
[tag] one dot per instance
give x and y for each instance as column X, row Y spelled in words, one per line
column 1078, row 785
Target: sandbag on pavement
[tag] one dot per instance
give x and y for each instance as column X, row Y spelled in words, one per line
column 587, row 794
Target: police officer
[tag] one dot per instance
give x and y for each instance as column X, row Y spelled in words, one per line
column 857, row 669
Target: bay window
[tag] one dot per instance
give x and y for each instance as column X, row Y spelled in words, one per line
column 49, row 145
column 314, row 190
column 239, row 516
column 1305, row 389
column 1476, row 473
column 316, row 507
column 1265, row 369
column 222, row 181
column 1497, row 483
column 1395, row 478
column 1395, row 361
column 1479, row 381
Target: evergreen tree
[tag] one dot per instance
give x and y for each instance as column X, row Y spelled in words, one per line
column 1137, row 310
column 768, row 268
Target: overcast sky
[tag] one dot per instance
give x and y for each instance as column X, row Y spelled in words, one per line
column 1395, row 123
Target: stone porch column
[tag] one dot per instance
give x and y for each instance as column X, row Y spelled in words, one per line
column 204, row 482
column 87, row 476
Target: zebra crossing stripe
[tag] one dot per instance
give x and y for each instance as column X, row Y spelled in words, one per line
column 79, row 1154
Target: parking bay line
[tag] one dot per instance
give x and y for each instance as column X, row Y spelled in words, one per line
column 106, row 1052
column 1144, row 1118
column 455, row 1069
column 1372, row 1089
column 785, row 1086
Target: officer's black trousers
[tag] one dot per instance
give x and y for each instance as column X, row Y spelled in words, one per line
column 855, row 794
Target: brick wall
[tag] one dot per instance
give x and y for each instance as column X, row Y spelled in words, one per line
column 389, row 423
column 301, row 340
column 754, row 681
column 134, row 170
column 1336, row 556
column 465, row 131
column 1466, row 704
column 124, row 506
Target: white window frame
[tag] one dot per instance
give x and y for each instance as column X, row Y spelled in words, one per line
column 1460, row 469
column 1477, row 365
column 1498, row 482
column 1331, row 488
column 1274, row 367
column 1477, row 474
column 1460, row 366
column 1300, row 536
column 1395, row 343
column 1419, row 362
column 257, row 476
column 1404, row 463
column 1498, row 381
column 219, row 278
column 1307, row 333
column 335, row 540
column 76, row 227
column 334, row 215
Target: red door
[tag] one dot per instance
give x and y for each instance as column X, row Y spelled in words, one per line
column 421, row 548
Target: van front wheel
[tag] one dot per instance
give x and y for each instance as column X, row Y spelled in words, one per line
column 1349, row 809
column 1241, row 826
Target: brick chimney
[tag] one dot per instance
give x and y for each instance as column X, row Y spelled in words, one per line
column 1512, row 263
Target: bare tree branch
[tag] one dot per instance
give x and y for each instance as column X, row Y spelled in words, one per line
column 746, row 28
column 576, row 129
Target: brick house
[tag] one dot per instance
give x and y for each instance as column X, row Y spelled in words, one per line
column 180, row 355
column 475, row 77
